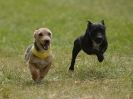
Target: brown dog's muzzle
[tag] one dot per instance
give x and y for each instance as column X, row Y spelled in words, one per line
column 46, row 44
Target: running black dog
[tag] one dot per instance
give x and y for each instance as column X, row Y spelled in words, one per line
column 93, row 42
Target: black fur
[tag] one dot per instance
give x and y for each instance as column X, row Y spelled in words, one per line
column 94, row 35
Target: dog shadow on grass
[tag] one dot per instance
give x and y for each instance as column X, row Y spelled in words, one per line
column 92, row 74
column 82, row 74
column 31, row 83
column 88, row 74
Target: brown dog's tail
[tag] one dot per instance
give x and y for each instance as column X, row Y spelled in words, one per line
column 27, row 53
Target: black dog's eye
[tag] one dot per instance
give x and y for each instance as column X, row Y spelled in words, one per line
column 40, row 34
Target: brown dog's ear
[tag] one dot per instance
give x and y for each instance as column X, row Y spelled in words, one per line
column 102, row 21
column 35, row 33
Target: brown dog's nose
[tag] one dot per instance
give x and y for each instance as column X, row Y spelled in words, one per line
column 46, row 41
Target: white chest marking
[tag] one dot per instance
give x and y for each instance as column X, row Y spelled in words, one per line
column 95, row 45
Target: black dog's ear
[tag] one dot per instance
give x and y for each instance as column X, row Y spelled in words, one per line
column 102, row 21
column 89, row 24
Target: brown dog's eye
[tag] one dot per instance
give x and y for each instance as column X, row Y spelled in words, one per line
column 40, row 34
column 49, row 33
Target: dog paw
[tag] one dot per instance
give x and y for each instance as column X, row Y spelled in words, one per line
column 71, row 69
column 100, row 58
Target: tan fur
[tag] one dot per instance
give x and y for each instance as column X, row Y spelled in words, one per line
column 39, row 67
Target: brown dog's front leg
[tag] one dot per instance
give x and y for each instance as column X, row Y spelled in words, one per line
column 34, row 72
column 44, row 71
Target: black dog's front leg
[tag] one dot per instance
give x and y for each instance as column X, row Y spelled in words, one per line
column 100, row 57
column 99, row 54
column 76, row 49
column 95, row 52
column 103, row 48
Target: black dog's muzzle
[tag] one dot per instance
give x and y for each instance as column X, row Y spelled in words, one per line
column 99, row 39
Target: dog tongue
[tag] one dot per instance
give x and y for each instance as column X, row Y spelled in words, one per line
column 45, row 47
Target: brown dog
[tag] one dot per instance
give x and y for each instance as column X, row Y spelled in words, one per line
column 39, row 56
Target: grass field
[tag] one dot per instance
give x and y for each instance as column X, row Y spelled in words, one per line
column 112, row 79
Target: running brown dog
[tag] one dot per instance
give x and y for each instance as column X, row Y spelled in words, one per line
column 38, row 55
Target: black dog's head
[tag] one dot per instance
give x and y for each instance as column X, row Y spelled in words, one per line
column 96, row 31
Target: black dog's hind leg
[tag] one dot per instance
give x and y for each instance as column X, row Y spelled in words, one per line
column 76, row 49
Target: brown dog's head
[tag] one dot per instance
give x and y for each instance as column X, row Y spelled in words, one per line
column 43, row 38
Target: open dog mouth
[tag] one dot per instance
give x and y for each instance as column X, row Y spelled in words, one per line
column 46, row 44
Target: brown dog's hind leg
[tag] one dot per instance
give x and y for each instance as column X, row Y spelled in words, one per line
column 35, row 73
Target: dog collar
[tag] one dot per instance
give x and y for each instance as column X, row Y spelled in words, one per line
column 41, row 55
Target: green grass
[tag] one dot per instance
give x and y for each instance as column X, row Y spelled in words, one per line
column 112, row 79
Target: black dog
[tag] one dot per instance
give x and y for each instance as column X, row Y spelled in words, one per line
column 93, row 42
